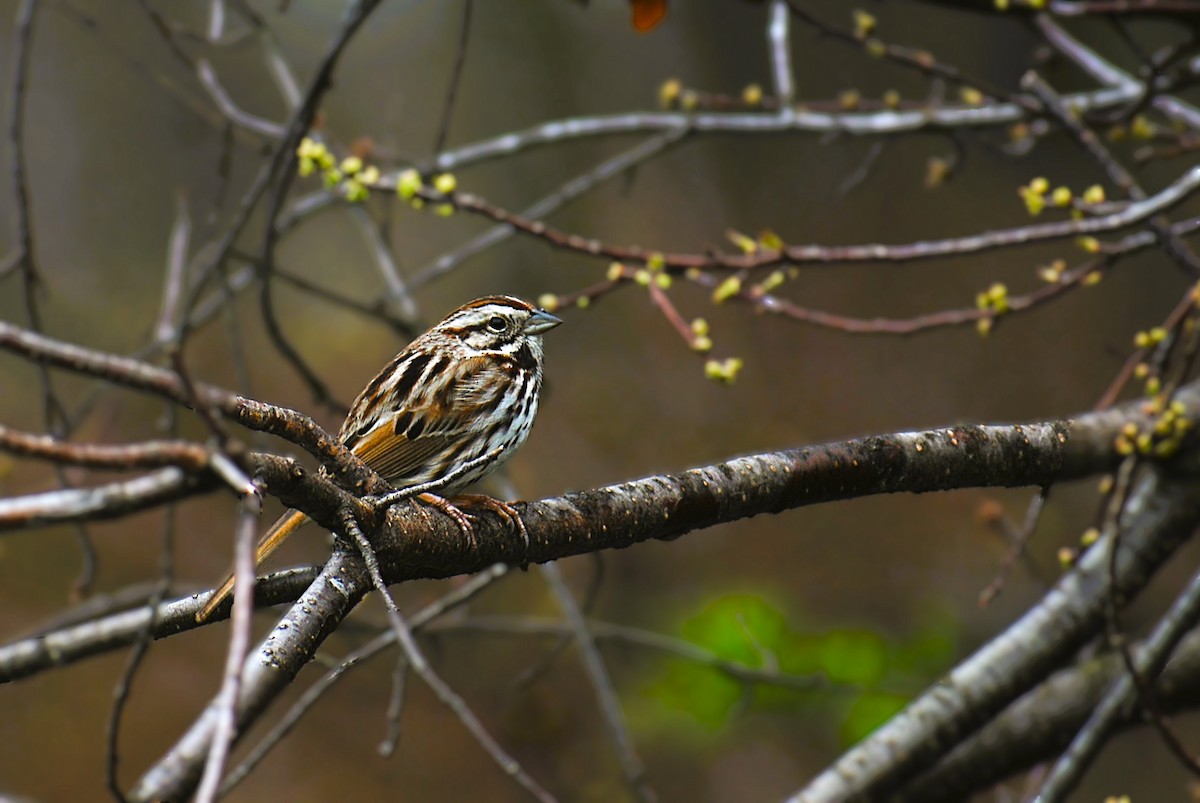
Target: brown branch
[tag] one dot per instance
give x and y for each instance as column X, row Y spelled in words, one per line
column 459, row 595
column 75, row 641
column 1171, row 243
column 280, row 421
column 1127, row 215
column 919, row 60
column 418, row 542
column 269, row 670
column 148, row 454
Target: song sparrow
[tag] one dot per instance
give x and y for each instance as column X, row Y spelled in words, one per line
column 466, row 389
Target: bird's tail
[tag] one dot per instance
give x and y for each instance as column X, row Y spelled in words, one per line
column 280, row 531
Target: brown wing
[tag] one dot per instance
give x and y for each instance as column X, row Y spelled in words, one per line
column 405, row 446
column 399, row 458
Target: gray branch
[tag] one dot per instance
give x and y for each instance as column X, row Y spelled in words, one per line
column 1160, row 516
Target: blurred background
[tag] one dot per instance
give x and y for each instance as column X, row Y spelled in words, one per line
column 879, row 595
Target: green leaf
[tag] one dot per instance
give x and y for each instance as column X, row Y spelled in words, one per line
column 869, row 711
column 739, row 627
column 858, row 657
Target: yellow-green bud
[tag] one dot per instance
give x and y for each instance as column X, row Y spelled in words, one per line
column 727, row 289
column 408, row 184
column 748, row 245
column 1035, row 202
column 770, row 240
column 669, row 92
column 775, row 279
column 864, row 23
column 355, row 191
column 723, row 370
column 971, row 96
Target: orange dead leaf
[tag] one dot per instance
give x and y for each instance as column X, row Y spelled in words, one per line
column 645, row 15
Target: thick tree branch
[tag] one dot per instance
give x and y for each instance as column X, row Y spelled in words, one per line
column 418, row 542
column 269, row 670
column 1039, row 725
column 69, row 644
column 1160, row 516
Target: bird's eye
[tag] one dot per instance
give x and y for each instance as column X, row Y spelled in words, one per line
column 496, row 324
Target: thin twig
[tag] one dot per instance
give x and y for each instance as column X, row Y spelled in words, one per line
column 1016, row 547
column 551, row 203
column 646, row 639
column 460, row 59
column 451, row 699
column 1174, row 625
column 141, row 646
column 467, row 591
column 1128, row 215
column 176, row 273
column 780, row 49
column 226, row 701
column 606, row 695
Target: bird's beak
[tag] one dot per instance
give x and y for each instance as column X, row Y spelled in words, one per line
column 541, row 321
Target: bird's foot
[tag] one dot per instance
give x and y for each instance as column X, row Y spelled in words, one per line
column 451, row 510
column 504, row 510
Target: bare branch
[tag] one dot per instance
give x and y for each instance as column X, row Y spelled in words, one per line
column 1161, row 516
column 1128, row 215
